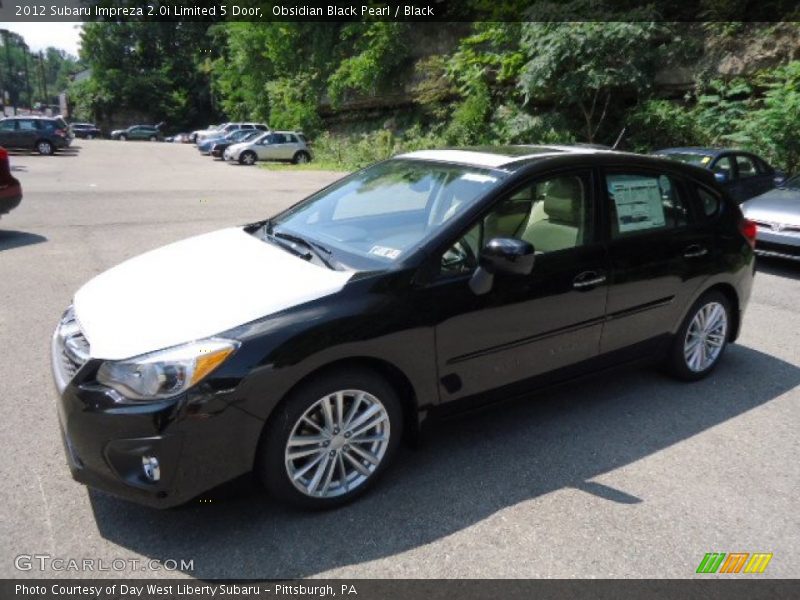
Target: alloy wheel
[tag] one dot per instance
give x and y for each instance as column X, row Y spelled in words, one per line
column 337, row 444
column 44, row 148
column 705, row 337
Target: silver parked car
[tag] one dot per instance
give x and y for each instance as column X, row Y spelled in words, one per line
column 227, row 128
column 777, row 218
column 275, row 145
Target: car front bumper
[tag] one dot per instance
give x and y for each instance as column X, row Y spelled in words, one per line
column 200, row 439
column 778, row 242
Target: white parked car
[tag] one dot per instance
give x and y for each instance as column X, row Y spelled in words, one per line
column 227, row 128
column 275, row 145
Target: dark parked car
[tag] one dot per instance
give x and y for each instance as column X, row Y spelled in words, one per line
column 10, row 189
column 236, row 136
column 86, row 130
column 45, row 135
column 218, row 148
column 138, row 132
column 743, row 174
column 306, row 345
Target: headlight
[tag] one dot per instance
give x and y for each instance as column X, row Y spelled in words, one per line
column 167, row 372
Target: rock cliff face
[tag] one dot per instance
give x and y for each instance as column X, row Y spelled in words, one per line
column 724, row 50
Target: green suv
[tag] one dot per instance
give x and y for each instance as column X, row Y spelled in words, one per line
column 138, row 132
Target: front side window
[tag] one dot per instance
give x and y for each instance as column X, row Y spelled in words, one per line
column 378, row 216
column 724, row 166
column 553, row 214
column 644, row 202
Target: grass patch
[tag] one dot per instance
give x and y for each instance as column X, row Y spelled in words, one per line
column 312, row 166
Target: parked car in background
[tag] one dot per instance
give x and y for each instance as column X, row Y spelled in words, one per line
column 742, row 173
column 227, row 128
column 10, row 188
column 45, row 135
column 86, row 131
column 305, row 345
column 777, row 217
column 179, row 138
column 218, row 149
column 238, row 135
column 211, row 128
column 138, row 132
column 275, row 145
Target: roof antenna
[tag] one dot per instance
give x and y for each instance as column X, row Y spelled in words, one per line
column 619, row 138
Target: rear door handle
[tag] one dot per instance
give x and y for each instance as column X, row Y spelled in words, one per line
column 588, row 279
column 695, row 251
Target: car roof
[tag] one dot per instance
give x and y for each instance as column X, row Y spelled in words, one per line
column 512, row 159
column 502, row 157
column 705, row 151
column 43, row 117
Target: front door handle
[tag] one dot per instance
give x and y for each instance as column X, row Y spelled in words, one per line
column 588, row 279
column 695, row 251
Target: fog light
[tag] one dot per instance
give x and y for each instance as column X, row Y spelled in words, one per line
column 151, row 468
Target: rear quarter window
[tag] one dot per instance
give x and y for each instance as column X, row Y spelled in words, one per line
column 710, row 202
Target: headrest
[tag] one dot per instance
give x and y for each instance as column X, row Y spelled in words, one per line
column 562, row 200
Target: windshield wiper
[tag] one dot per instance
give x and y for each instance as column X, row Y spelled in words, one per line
column 318, row 249
column 291, row 247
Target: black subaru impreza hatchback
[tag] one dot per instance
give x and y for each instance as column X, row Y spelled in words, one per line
column 305, row 346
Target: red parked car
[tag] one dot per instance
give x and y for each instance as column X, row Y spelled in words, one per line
column 10, row 189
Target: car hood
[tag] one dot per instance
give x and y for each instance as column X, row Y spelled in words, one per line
column 238, row 146
column 194, row 289
column 776, row 206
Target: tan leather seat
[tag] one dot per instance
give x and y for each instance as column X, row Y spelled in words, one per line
column 555, row 222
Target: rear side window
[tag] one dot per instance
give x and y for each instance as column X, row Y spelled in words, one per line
column 709, row 202
column 644, row 202
column 28, row 125
column 746, row 166
column 7, row 125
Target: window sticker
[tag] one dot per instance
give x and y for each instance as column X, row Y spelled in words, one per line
column 638, row 202
column 390, row 253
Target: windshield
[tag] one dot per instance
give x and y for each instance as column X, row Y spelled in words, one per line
column 690, row 158
column 380, row 215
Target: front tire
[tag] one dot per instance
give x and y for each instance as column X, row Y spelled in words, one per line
column 247, row 158
column 331, row 439
column 123, row 138
column 152, row 138
column 702, row 338
column 45, row 148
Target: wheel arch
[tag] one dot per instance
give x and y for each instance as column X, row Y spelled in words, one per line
column 390, row 372
column 727, row 290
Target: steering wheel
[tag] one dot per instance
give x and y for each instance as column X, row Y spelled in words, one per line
column 458, row 255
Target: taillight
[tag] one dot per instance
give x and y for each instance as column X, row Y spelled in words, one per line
column 61, row 132
column 5, row 170
column 749, row 230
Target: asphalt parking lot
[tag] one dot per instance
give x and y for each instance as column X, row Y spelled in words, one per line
column 627, row 474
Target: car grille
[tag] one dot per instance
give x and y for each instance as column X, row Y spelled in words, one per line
column 777, row 227
column 70, row 350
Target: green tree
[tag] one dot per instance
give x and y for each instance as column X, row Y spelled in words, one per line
column 591, row 67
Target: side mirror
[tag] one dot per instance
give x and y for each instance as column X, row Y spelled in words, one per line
column 721, row 177
column 501, row 255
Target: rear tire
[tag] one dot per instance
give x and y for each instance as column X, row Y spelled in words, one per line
column 301, row 158
column 702, row 338
column 341, row 455
column 248, row 158
column 45, row 148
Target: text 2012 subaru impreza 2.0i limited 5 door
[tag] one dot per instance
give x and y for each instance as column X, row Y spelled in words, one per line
column 306, row 346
